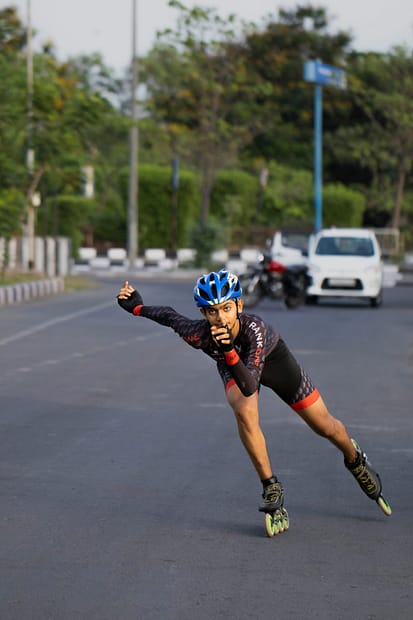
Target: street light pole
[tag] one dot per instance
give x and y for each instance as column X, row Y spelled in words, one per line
column 318, row 156
column 133, row 153
column 30, row 151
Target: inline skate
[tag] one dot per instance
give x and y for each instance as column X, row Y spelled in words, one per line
column 368, row 479
column 276, row 516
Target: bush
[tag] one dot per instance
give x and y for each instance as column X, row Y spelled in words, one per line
column 288, row 198
column 234, row 198
column 109, row 221
column 156, row 213
column 206, row 238
column 342, row 206
column 68, row 216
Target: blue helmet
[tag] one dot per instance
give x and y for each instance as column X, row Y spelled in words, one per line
column 215, row 288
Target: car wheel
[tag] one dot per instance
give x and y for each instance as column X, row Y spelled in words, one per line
column 311, row 300
column 375, row 302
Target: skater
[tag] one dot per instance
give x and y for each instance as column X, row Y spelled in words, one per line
column 250, row 353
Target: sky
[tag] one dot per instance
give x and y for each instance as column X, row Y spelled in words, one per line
column 105, row 26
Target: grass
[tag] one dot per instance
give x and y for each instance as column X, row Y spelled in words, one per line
column 72, row 283
column 17, row 278
column 79, row 283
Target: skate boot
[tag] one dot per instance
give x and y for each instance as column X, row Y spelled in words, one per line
column 276, row 516
column 368, row 479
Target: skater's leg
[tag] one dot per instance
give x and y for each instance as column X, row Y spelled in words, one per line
column 318, row 417
column 246, row 413
column 323, row 423
column 368, row 478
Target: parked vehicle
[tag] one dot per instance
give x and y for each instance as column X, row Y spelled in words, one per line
column 270, row 278
column 345, row 262
column 290, row 247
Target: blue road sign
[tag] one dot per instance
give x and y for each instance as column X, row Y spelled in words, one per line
column 324, row 75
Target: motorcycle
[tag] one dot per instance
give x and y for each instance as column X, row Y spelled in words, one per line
column 272, row 279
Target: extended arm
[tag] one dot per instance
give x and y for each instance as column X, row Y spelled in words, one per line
column 193, row 332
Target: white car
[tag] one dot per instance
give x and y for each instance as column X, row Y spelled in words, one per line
column 345, row 262
column 290, row 248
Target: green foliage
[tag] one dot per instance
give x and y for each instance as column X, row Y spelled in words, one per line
column 206, row 238
column 71, row 118
column 67, row 216
column 12, row 32
column 108, row 220
column 13, row 113
column 234, row 196
column 288, row 198
column 195, row 79
column 156, row 206
column 378, row 137
column 342, row 206
column 283, row 101
column 11, row 209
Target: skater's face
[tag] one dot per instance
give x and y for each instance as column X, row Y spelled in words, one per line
column 224, row 315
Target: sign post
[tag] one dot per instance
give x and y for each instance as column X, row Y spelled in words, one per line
column 321, row 75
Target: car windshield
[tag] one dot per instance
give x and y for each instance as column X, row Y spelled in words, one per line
column 344, row 246
column 295, row 240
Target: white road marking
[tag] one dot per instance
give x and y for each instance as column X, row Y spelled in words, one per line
column 47, row 324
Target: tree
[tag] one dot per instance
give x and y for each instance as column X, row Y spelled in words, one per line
column 12, row 99
column 74, row 120
column 275, row 55
column 195, row 80
column 380, row 136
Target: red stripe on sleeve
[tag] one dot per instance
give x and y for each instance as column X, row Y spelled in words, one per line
column 231, row 357
column 137, row 310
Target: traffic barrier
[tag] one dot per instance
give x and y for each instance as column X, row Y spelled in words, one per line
column 17, row 293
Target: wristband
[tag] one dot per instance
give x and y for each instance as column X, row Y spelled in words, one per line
column 231, row 357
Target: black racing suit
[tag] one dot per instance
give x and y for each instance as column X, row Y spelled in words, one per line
column 263, row 357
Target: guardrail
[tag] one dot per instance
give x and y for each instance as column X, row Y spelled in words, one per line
column 157, row 258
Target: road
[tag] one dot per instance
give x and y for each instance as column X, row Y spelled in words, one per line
column 125, row 492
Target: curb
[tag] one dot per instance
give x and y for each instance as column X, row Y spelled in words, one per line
column 406, row 278
column 16, row 293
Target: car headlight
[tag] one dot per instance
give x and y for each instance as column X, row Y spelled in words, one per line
column 372, row 270
column 314, row 268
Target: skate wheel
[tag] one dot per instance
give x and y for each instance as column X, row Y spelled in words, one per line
column 269, row 525
column 286, row 520
column 276, row 523
column 272, row 526
column 386, row 508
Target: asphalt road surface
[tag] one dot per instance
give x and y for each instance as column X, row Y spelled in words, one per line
column 126, row 494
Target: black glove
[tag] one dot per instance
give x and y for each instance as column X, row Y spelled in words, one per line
column 225, row 348
column 130, row 303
